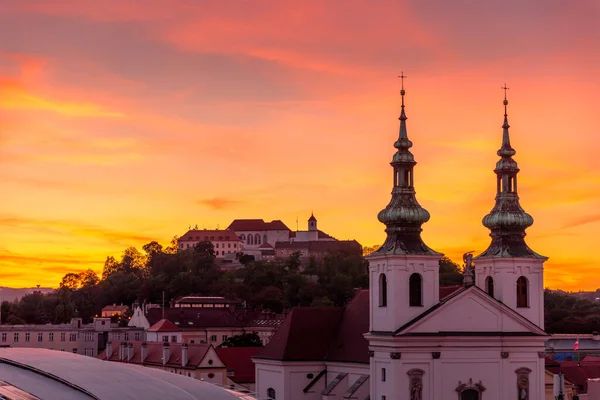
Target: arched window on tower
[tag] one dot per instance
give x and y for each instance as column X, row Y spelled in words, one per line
column 243, row 237
column 257, row 238
column 250, row 239
column 489, row 285
column 522, row 292
column 382, row 291
column 265, row 238
column 415, row 283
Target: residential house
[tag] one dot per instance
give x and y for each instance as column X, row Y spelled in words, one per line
column 114, row 310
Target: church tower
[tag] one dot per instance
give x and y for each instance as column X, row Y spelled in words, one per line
column 508, row 269
column 312, row 223
column 403, row 272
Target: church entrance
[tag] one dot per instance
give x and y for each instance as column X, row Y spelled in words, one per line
column 469, row 394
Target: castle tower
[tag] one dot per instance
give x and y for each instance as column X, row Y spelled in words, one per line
column 508, row 269
column 403, row 272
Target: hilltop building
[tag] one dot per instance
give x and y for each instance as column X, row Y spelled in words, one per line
column 482, row 341
column 225, row 243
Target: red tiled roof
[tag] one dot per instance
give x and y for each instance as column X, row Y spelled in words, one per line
column 266, row 245
column 240, row 367
column 350, row 345
column 245, row 225
column 324, row 246
column 209, row 235
column 577, row 372
column 323, row 235
column 194, row 318
column 446, row 291
column 115, row 308
column 196, row 352
column 305, row 335
column 164, row 325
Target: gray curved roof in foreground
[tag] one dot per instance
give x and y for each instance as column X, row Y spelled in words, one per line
column 51, row 374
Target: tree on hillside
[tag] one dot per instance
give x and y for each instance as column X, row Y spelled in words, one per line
column 243, row 340
column 450, row 272
column 366, row 250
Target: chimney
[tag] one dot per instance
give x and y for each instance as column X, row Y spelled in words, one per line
column 144, row 352
column 108, row 349
column 184, row 354
column 166, row 353
column 130, row 352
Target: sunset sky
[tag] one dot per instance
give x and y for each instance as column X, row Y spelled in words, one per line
column 125, row 121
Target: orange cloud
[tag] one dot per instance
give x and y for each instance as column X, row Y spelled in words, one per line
column 219, row 203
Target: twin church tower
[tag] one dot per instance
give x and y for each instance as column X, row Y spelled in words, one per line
column 404, row 280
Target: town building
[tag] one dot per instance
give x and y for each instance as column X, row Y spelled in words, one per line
column 73, row 338
column 206, row 302
column 208, row 325
column 240, row 367
column 483, row 341
column 114, row 310
column 225, row 242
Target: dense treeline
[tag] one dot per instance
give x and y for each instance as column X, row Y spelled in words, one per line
column 274, row 285
column 144, row 276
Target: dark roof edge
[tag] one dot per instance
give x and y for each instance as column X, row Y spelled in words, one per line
column 48, row 375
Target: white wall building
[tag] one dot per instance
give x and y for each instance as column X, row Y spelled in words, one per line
column 226, row 243
column 484, row 341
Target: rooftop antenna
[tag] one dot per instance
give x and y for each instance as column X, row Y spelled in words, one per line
column 163, row 306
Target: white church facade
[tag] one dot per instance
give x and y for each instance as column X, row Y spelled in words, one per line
column 482, row 341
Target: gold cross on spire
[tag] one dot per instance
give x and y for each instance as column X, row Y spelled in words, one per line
column 505, row 89
column 402, row 76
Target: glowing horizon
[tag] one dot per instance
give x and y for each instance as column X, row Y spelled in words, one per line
column 126, row 123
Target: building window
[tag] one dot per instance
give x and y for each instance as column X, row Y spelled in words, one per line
column 228, row 245
column 522, row 292
column 27, row 337
column 40, row 337
column 126, row 334
column 242, row 237
column 257, row 238
column 4, row 337
column 383, row 397
column 415, row 284
column 181, row 246
column 271, row 394
column 224, row 337
column 213, row 338
column 250, row 239
column 116, row 336
column 382, row 290
column 136, row 336
column 489, row 285
column 16, row 338
column 469, row 394
column 265, row 238
column 174, row 338
column 89, row 337
column 63, row 337
column 72, row 337
column 166, row 338
column 89, row 352
column 234, row 245
column 216, row 245
column 187, row 245
column 74, row 351
column 382, row 374
column 51, row 337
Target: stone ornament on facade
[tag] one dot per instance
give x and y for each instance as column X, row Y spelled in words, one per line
column 504, row 354
column 416, row 383
column 523, row 383
column 436, row 355
column 371, row 353
column 395, row 356
column 470, row 387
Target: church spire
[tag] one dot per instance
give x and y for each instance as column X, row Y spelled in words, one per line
column 403, row 216
column 507, row 221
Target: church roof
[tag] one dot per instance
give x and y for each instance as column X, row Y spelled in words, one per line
column 531, row 328
column 240, row 367
column 349, row 344
column 244, row 225
column 164, row 325
column 305, row 335
column 312, row 217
